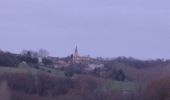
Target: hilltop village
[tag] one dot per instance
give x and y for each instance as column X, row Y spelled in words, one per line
column 76, row 58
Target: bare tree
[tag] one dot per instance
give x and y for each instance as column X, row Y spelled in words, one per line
column 43, row 53
column 30, row 53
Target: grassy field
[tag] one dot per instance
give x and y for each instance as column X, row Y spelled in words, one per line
column 111, row 85
column 26, row 69
column 127, row 89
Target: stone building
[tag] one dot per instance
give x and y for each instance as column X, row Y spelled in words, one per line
column 76, row 58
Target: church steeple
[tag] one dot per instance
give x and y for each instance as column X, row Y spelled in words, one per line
column 76, row 58
column 76, row 51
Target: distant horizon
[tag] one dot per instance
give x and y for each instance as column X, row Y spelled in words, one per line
column 110, row 57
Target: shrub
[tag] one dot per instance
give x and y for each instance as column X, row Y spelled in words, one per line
column 157, row 90
column 8, row 59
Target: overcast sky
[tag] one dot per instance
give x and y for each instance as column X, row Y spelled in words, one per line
column 107, row 28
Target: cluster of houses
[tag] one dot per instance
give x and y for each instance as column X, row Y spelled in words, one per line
column 76, row 58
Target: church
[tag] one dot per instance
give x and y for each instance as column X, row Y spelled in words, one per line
column 76, row 58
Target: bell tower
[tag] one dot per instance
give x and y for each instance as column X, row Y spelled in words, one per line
column 76, row 52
